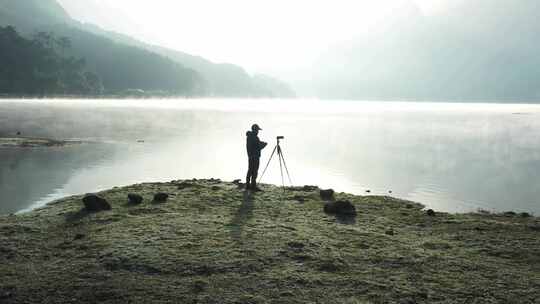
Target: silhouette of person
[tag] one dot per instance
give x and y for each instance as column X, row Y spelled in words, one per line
column 254, row 146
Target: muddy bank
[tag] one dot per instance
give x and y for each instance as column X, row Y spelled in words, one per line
column 207, row 241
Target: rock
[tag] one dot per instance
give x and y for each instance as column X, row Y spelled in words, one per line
column 430, row 212
column 135, row 199
column 524, row 214
column 390, row 192
column 510, row 213
column 389, row 231
column 340, row 208
column 237, row 181
column 327, row 194
column 79, row 236
column 308, row 188
column 94, row 203
column 215, row 188
column 161, row 197
column 368, row 191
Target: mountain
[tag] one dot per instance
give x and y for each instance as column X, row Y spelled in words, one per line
column 125, row 64
column 226, row 80
column 28, row 15
column 482, row 50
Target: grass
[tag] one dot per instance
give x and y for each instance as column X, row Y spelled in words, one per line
column 213, row 243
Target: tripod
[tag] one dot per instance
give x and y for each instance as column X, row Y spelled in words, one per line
column 281, row 163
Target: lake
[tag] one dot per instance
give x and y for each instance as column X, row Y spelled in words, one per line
column 449, row 156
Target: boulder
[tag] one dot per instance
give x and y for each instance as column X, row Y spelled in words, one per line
column 327, row 194
column 135, row 199
column 308, row 188
column 340, row 208
column 161, row 197
column 525, row 214
column 430, row 212
column 94, row 203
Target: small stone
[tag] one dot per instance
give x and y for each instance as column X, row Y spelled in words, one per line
column 161, row 197
column 135, row 199
column 308, row 188
column 430, row 212
column 94, row 203
column 340, row 208
column 389, row 231
column 327, row 194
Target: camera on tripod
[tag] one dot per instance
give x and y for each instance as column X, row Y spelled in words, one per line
column 282, row 163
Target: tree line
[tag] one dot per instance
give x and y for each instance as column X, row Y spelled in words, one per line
column 39, row 66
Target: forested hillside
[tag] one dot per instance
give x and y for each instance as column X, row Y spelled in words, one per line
column 125, row 65
column 40, row 66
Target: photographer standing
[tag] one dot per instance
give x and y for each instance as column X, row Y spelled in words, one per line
column 254, row 146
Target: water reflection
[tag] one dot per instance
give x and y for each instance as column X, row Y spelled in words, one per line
column 451, row 157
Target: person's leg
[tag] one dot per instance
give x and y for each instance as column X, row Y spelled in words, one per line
column 249, row 176
column 255, row 172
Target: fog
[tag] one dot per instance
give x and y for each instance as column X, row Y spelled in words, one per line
column 484, row 50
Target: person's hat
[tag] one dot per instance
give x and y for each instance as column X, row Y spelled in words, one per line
column 256, row 127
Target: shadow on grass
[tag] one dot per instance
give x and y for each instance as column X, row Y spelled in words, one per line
column 76, row 216
column 242, row 216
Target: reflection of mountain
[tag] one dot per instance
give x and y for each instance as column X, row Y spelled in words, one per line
column 124, row 63
column 479, row 50
column 27, row 176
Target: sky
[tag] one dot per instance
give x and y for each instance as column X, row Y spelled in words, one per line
column 275, row 37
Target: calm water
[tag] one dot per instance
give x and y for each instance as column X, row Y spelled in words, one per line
column 451, row 157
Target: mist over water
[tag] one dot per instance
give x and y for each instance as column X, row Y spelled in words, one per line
column 450, row 157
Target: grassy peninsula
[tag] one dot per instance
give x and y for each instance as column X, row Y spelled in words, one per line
column 211, row 242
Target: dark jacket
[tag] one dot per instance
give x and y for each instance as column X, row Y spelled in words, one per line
column 254, row 145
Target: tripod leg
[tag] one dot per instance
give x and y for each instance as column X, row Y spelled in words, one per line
column 271, row 156
column 281, row 167
column 286, row 169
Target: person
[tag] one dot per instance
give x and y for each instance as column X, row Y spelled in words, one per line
column 254, row 146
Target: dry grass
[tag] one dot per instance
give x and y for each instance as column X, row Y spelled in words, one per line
column 213, row 243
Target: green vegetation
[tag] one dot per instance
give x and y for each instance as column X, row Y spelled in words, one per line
column 213, row 243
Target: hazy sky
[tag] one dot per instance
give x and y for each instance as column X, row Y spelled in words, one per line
column 261, row 35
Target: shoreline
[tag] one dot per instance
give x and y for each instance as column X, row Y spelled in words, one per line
column 211, row 242
column 35, row 142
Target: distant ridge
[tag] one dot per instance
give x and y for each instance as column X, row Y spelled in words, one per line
column 126, row 64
